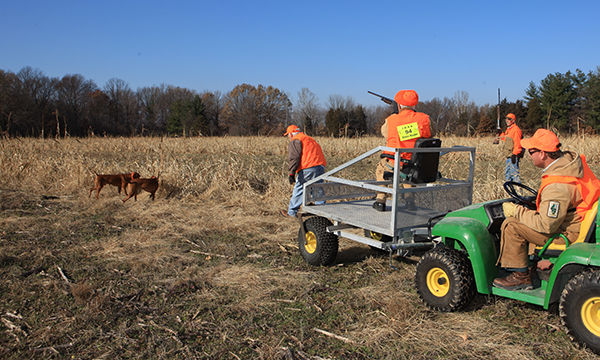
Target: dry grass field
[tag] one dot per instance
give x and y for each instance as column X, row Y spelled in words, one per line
column 210, row 271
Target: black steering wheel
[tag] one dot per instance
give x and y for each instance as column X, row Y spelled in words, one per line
column 528, row 201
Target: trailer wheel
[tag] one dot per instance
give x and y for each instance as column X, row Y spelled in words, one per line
column 580, row 309
column 317, row 246
column 379, row 237
column 444, row 279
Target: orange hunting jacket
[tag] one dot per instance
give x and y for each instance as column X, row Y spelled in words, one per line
column 514, row 144
column 402, row 130
column 566, row 192
column 588, row 187
column 304, row 152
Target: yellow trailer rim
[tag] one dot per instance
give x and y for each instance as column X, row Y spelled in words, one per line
column 310, row 244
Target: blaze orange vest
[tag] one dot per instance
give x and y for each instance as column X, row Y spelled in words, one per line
column 588, row 186
column 405, row 128
column 514, row 133
column 312, row 155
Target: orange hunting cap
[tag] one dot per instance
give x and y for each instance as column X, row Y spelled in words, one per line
column 407, row 98
column 543, row 139
column 291, row 129
column 511, row 116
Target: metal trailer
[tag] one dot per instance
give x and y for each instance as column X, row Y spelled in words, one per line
column 406, row 223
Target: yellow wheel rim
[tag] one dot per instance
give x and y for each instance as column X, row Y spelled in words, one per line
column 376, row 236
column 310, row 244
column 438, row 282
column 590, row 314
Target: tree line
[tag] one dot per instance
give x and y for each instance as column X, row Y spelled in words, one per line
column 33, row 104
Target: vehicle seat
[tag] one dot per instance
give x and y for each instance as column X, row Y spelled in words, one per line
column 422, row 167
column 586, row 234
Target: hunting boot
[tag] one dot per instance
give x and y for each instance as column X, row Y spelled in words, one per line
column 379, row 206
column 515, row 281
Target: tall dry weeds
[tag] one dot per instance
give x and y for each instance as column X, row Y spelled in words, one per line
column 209, row 270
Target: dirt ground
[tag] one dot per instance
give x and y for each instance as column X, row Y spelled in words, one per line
column 203, row 273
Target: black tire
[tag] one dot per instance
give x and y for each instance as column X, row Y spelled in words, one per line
column 317, row 246
column 580, row 309
column 444, row 279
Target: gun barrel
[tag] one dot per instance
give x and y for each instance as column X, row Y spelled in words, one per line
column 383, row 98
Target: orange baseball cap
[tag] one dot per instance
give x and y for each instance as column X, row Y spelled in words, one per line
column 291, row 129
column 407, row 98
column 511, row 116
column 543, row 139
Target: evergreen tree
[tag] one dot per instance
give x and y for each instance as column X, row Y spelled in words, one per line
column 591, row 95
column 335, row 121
column 557, row 97
column 357, row 121
column 535, row 116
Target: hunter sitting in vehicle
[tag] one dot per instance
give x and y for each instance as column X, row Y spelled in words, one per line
column 568, row 189
column 401, row 130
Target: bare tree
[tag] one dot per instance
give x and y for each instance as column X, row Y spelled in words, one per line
column 73, row 96
column 122, row 107
column 250, row 110
column 36, row 95
column 213, row 101
column 307, row 113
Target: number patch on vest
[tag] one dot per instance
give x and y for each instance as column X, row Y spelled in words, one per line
column 408, row 131
column 553, row 209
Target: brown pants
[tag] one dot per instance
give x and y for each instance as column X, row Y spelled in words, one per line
column 518, row 240
column 384, row 165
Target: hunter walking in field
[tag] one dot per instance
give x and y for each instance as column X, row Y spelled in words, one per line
column 511, row 146
column 305, row 162
column 568, row 190
column 401, row 130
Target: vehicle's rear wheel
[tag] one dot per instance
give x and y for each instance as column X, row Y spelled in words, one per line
column 317, row 246
column 580, row 309
column 444, row 279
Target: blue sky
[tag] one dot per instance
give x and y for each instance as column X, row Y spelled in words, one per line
column 331, row 47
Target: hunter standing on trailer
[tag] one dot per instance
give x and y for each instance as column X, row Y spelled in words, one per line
column 401, row 130
column 511, row 147
column 568, row 190
column 305, row 162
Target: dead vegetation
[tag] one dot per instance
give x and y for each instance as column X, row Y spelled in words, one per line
column 208, row 270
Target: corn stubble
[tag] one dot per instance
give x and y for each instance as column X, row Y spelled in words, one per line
column 208, row 270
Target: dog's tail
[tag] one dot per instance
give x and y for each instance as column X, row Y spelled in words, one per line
column 92, row 171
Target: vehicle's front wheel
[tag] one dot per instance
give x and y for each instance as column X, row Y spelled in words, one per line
column 580, row 309
column 444, row 279
column 317, row 246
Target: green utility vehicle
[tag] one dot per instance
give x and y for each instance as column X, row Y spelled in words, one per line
column 464, row 262
column 431, row 211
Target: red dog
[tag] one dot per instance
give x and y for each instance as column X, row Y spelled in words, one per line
column 119, row 180
column 136, row 185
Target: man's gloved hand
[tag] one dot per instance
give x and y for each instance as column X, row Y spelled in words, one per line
column 510, row 209
column 513, row 158
column 292, row 179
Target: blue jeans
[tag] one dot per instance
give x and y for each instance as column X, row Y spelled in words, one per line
column 303, row 176
column 511, row 172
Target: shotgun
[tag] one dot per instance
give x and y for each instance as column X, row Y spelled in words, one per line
column 383, row 98
column 498, row 128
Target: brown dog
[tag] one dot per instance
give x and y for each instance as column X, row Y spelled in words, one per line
column 135, row 186
column 118, row 180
